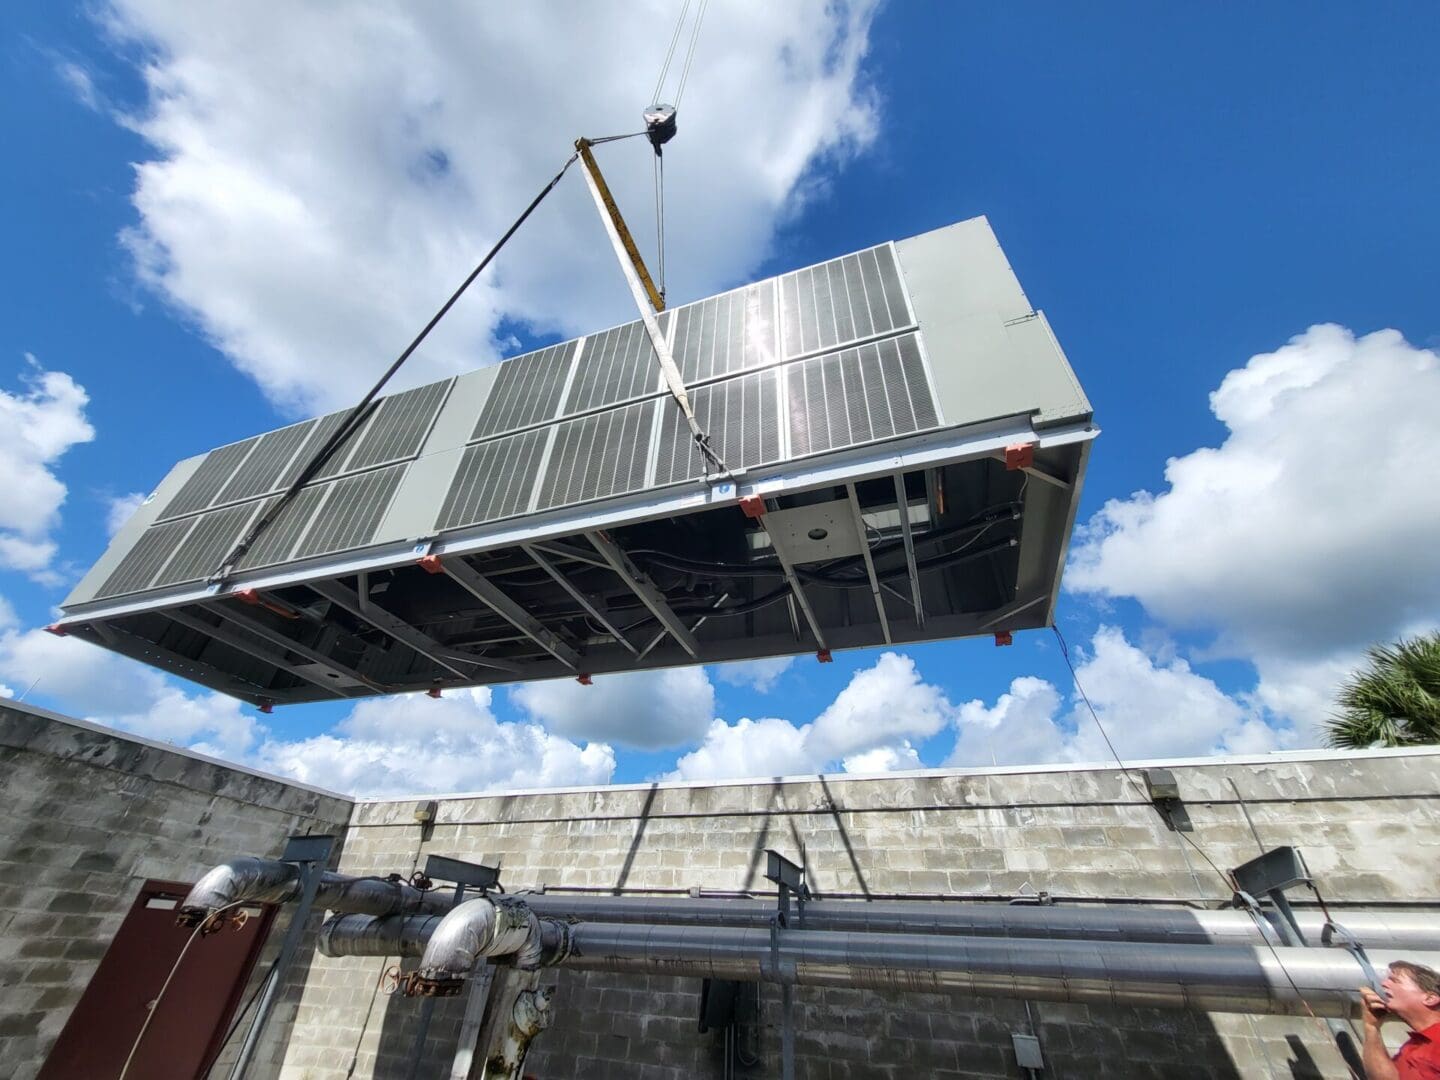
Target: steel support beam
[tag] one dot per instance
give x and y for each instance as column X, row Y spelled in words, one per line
column 147, row 652
column 480, row 587
column 693, row 626
column 402, row 631
column 588, row 603
column 241, row 618
column 645, row 589
column 797, row 589
column 570, row 551
column 875, row 593
column 238, row 641
column 902, row 504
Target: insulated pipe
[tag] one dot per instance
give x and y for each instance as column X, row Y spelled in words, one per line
column 371, row 935
column 1208, row 978
column 268, row 881
column 1177, row 926
column 480, row 928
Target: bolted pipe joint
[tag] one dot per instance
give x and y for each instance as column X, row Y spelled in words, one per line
column 476, row 930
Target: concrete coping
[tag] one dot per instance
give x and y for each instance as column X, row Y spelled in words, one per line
column 1280, row 757
column 168, row 748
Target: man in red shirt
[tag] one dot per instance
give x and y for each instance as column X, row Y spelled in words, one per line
column 1412, row 994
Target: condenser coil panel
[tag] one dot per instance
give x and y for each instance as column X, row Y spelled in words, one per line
column 903, row 412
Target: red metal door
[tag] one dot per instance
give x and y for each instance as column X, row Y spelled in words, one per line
column 191, row 1018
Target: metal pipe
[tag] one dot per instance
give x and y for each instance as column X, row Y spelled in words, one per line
column 1179, row 926
column 370, row 935
column 1208, row 978
column 268, row 881
column 476, row 929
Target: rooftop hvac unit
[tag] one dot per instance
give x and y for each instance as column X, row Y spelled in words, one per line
column 905, row 444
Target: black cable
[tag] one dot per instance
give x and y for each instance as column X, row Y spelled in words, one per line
column 352, row 420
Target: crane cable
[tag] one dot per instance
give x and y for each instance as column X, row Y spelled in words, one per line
column 658, row 166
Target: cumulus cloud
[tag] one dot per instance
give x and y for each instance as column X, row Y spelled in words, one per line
column 867, row 728
column 37, row 426
column 646, row 709
column 1307, row 534
column 308, row 217
column 383, row 746
column 882, row 704
column 760, row 675
column 389, row 746
column 1150, row 708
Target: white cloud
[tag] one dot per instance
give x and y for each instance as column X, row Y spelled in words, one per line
column 759, row 675
column 647, row 709
column 384, row 746
column 1150, row 708
column 413, row 743
column 768, row 747
column 884, row 759
column 37, row 426
column 121, row 508
column 867, row 728
column 310, row 215
column 881, row 705
column 1308, row 534
column 79, row 82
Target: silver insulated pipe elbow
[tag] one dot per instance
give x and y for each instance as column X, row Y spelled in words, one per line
column 269, row 881
column 474, row 931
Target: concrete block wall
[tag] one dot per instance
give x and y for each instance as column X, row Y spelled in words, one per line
column 1369, row 825
column 88, row 816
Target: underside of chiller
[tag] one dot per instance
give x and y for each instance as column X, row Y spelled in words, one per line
column 905, row 445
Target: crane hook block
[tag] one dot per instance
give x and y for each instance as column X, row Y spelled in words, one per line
column 659, row 124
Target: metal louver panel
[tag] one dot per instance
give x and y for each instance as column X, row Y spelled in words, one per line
column 335, row 464
column 399, row 426
column 847, row 299
column 526, row 391
column 725, row 334
column 276, row 542
column 199, row 554
column 597, row 456
column 352, row 512
column 742, row 418
column 212, row 475
column 495, row 480
column 875, row 391
column 143, row 561
column 617, row 365
column 261, row 471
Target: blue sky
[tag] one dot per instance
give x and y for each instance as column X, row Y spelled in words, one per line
column 1180, row 189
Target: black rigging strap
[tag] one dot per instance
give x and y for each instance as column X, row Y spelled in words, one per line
column 357, row 415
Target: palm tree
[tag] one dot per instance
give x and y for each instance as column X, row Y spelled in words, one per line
column 1394, row 700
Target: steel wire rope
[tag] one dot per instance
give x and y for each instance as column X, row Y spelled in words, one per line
column 1226, row 878
column 670, row 53
column 690, row 55
column 155, row 1005
column 352, row 420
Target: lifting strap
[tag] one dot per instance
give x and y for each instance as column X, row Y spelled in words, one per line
column 647, row 300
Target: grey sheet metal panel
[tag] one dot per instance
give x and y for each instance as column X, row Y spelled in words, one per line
column 527, row 390
column 727, row 334
column 616, row 365
column 879, row 390
column 742, row 418
column 218, row 468
column 997, row 355
column 261, row 471
column 597, row 456
column 924, row 334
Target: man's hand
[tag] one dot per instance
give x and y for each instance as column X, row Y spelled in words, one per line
column 1376, row 1011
